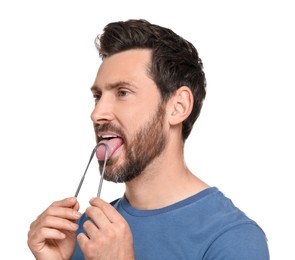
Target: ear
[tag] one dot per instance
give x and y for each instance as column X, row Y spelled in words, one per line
column 180, row 105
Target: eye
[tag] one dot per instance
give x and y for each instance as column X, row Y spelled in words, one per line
column 96, row 97
column 123, row 92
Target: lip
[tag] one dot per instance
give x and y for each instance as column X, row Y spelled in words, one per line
column 106, row 133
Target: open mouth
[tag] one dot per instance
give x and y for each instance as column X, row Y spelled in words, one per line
column 113, row 141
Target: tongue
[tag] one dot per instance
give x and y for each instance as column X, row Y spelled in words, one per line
column 113, row 145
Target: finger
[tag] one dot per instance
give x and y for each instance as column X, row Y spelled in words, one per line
column 50, row 227
column 59, row 223
column 46, row 233
column 98, row 217
column 36, row 240
column 76, row 206
column 91, row 229
column 82, row 240
column 67, row 202
column 109, row 211
column 61, row 212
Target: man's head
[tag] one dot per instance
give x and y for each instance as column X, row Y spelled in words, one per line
column 175, row 62
column 148, row 91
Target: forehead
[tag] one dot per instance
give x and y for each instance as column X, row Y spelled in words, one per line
column 130, row 66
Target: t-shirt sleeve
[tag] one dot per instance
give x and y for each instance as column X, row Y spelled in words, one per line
column 241, row 242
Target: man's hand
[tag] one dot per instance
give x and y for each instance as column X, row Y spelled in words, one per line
column 52, row 234
column 108, row 235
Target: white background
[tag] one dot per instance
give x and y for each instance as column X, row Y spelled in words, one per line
column 243, row 142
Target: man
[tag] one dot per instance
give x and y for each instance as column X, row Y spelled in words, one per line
column 148, row 93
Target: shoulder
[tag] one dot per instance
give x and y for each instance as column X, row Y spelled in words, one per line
column 242, row 241
column 234, row 236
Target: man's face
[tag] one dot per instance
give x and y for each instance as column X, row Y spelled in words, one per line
column 128, row 116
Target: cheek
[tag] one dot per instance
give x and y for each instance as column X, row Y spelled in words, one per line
column 136, row 115
column 131, row 122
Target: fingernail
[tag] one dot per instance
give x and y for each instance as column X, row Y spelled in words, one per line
column 72, row 199
column 74, row 225
column 77, row 214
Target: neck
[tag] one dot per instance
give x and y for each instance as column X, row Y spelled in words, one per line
column 165, row 181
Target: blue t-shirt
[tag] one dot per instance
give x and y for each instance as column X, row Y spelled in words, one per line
column 205, row 226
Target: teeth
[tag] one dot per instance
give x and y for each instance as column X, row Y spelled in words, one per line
column 108, row 136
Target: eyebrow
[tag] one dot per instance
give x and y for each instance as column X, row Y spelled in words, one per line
column 112, row 85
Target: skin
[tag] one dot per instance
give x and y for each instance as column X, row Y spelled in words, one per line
column 166, row 180
column 52, row 234
column 116, row 103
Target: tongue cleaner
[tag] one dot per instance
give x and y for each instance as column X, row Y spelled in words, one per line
column 103, row 169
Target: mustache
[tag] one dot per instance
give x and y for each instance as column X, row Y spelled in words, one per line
column 108, row 127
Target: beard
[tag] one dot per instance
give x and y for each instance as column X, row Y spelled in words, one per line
column 147, row 144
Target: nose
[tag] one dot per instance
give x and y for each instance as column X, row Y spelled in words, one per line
column 103, row 111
